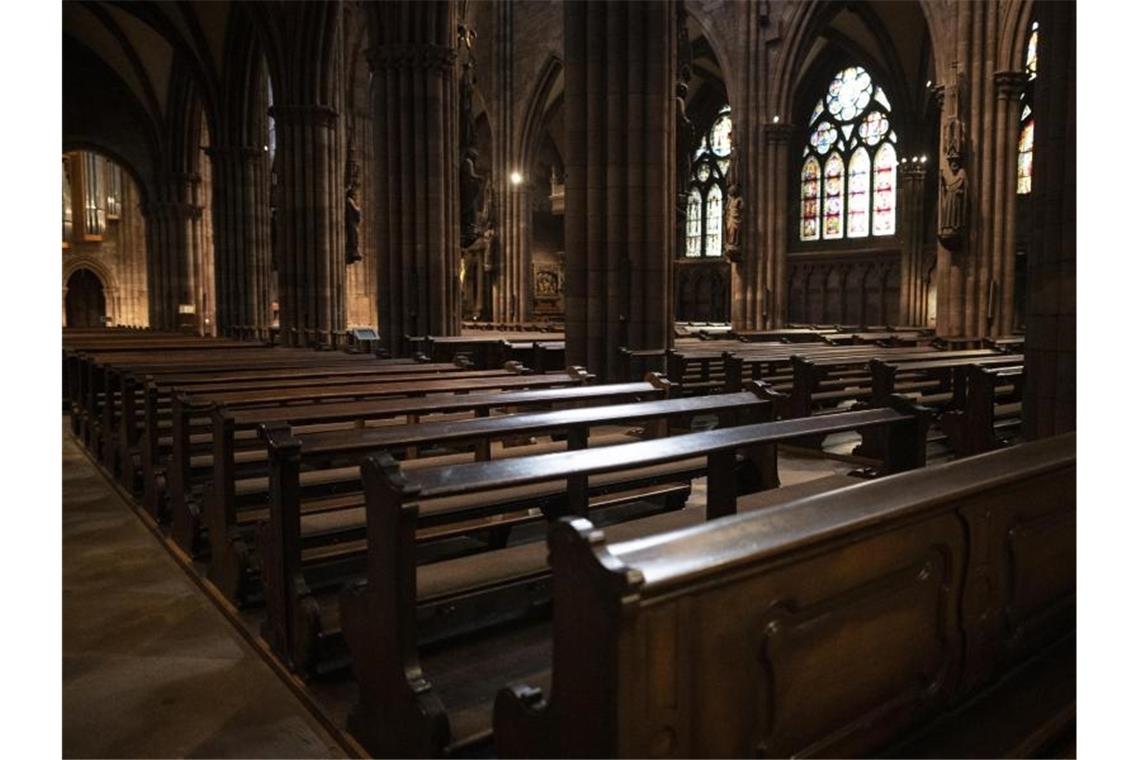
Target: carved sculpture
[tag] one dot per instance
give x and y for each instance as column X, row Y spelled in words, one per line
column 733, row 219
column 952, row 202
column 471, row 185
column 352, row 218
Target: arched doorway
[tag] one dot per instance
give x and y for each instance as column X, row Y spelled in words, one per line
column 86, row 303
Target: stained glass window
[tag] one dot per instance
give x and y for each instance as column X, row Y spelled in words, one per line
column 858, row 184
column 849, row 93
column 714, row 219
column 885, row 167
column 856, row 142
column 1025, row 159
column 693, row 224
column 1031, row 52
column 1025, row 138
column 708, row 188
column 809, row 200
column 833, row 198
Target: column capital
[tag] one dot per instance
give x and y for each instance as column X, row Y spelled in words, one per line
column 316, row 115
column 1010, row 84
column 440, row 58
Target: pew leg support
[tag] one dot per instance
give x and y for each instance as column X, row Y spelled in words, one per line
column 397, row 713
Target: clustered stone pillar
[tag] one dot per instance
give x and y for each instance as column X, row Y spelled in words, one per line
column 132, row 267
column 770, row 294
column 1050, row 395
column 1010, row 85
column 508, row 254
column 241, row 240
column 311, row 224
column 620, row 179
column 976, row 269
column 417, row 222
column 170, row 266
column 912, row 288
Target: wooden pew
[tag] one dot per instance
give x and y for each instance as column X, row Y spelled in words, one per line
column 322, row 540
column 825, row 381
column 987, row 416
column 399, row 711
column 122, row 424
column 121, row 420
column 230, row 515
column 191, row 411
column 95, row 378
column 950, row 371
column 848, row 624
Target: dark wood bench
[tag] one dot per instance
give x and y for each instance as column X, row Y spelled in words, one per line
column 97, row 375
column 190, row 414
column 823, row 382
column 883, row 619
column 399, row 711
column 317, row 535
column 105, row 386
column 122, row 419
column 991, row 412
column 230, row 511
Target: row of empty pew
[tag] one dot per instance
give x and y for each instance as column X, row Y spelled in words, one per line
column 510, row 560
column 974, row 394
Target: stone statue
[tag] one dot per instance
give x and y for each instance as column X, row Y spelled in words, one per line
column 733, row 219
column 952, row 202
column 352, row 217
column 684, row 154
column 470, row 188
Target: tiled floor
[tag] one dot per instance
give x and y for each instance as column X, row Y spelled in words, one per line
column 150, row 667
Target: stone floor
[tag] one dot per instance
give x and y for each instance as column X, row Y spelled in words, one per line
column 151, row 668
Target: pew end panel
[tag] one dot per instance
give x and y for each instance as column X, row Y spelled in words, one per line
column 842, row 624
column 397, row 713
column 600, row 588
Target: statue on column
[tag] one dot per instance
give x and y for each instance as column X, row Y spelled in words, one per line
column 733, row 219
column 953, row 200
column 685, row 130
column 352, row 217
column 472, row 185
column 952, row 182
column 952, row 186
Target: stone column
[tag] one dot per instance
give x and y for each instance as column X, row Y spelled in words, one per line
column 416, row 210
column 912, row 294
column 170, row 264
column 1050, row 397
column 620, row 179
column 976, row 264
column 1010, row 85
column 772, row 289
column 241, row 236
column 311, row 266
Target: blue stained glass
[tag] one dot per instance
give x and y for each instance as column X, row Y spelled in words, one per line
column 823, row 137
